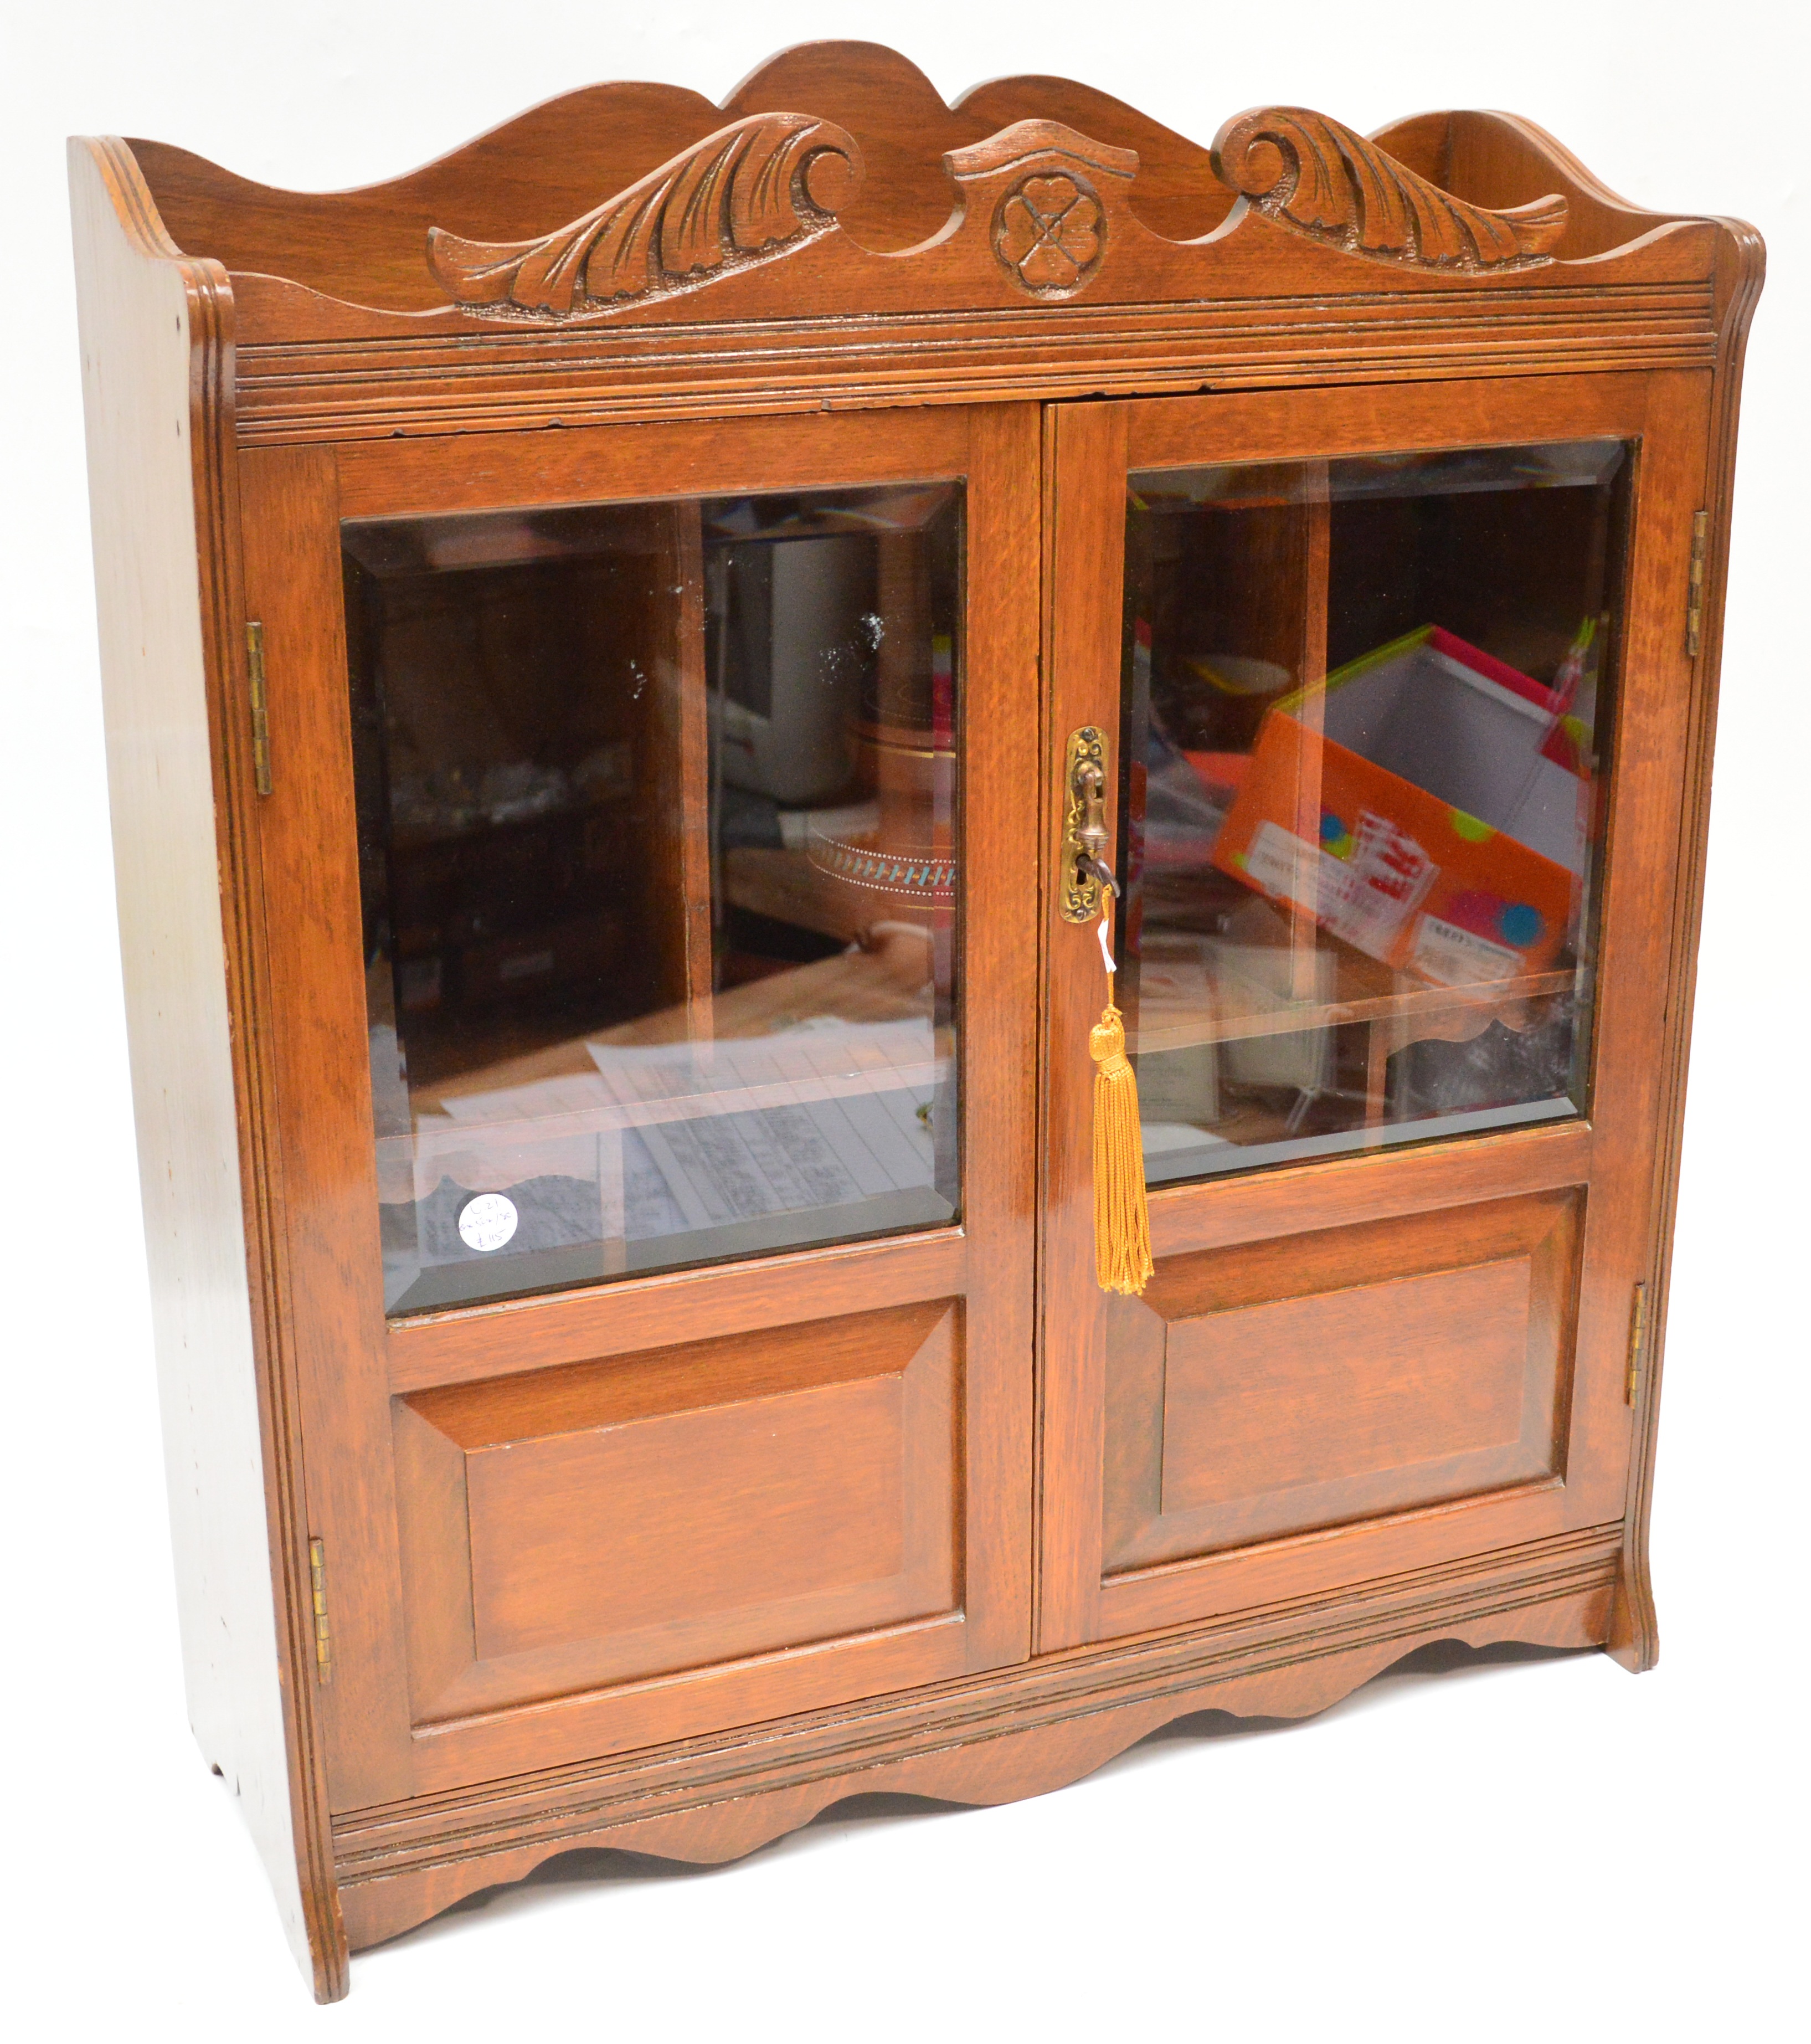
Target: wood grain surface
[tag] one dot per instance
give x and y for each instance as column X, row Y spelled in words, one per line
column 907, row 295
column 410, row 1708
column 609, row 1521
column 925, row 1510
column 156, row 344
column 983, row 1739
column 1083, row 1598
column 1317, row 1379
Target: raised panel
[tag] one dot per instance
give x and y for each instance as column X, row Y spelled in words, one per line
column 1324, row 1378
column 686, row 1518
column 1352, row 1391
column 640, row 1515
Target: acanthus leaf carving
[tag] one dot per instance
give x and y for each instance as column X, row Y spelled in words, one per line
column 757, row 189
column 1307, row 172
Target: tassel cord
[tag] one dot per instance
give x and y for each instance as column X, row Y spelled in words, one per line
column 1122, row 1217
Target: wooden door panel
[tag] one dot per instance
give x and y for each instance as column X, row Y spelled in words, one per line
column 611, row 1520
column 562, row 1526
column 1348, row 1367
column 1323, row 1378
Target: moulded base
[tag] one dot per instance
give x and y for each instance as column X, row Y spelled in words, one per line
column 1015, row 1732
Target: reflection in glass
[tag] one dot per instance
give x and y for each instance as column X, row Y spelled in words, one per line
column 657, row 814
column 1361, row 765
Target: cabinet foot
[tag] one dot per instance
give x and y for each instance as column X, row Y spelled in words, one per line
column 1634, row 1640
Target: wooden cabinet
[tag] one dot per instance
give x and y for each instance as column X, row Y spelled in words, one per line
column 604, row 639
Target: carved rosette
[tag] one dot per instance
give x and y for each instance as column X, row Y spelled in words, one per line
column 759, row 189
column 1309, row 173
column 1050, row 231
column 1047, row 194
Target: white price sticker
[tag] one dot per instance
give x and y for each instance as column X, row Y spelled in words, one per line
column 487, row 1222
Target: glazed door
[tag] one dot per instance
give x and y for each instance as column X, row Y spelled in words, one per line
column 1392, row 690
column 650, row 872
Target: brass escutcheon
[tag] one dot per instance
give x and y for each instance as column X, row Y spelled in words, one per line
column 1084, row 825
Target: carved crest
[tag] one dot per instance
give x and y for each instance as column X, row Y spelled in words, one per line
column 1309, row 173
column 1043, row 183
column 1049, row 232
column 757, row 189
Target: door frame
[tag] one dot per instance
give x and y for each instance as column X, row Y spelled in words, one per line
column 350, row 1364
column 1090, row 449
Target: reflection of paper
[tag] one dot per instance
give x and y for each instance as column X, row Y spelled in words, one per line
column 785, row 1159
column 612, row 1192
column 1459, row 957
column 636, row 1084
column 811, row 1116
column 1391, row 873
column 495, row 1161
column 1300, row 1059
column 1173, row 974
column 1267, row 972
column 1365, row 900
column 1282, row 863
column 825, row 1059
column 1162, row 1138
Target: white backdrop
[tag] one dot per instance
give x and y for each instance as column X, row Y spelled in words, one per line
column 1548, row 1847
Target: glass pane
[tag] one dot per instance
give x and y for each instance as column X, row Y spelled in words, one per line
column 1365, row 714
column 657, row 816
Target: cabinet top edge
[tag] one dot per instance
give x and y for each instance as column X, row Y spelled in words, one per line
column 836, row 183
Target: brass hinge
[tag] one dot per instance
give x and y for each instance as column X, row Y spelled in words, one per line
column 1637, row 1339
column 1694, row 589
column 317, row 1578
column 260, row 712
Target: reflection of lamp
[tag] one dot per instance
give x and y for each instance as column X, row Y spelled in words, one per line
column 905, row 747
column 904, row 872
column 909, row 851
column 790, row 661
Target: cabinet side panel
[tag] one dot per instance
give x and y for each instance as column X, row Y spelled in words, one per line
column 135, row 335
column 1635, row 1639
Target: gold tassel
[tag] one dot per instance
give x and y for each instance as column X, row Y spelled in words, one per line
column 1122, row 1219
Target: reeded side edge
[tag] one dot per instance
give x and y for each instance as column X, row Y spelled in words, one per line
column 216, row 492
